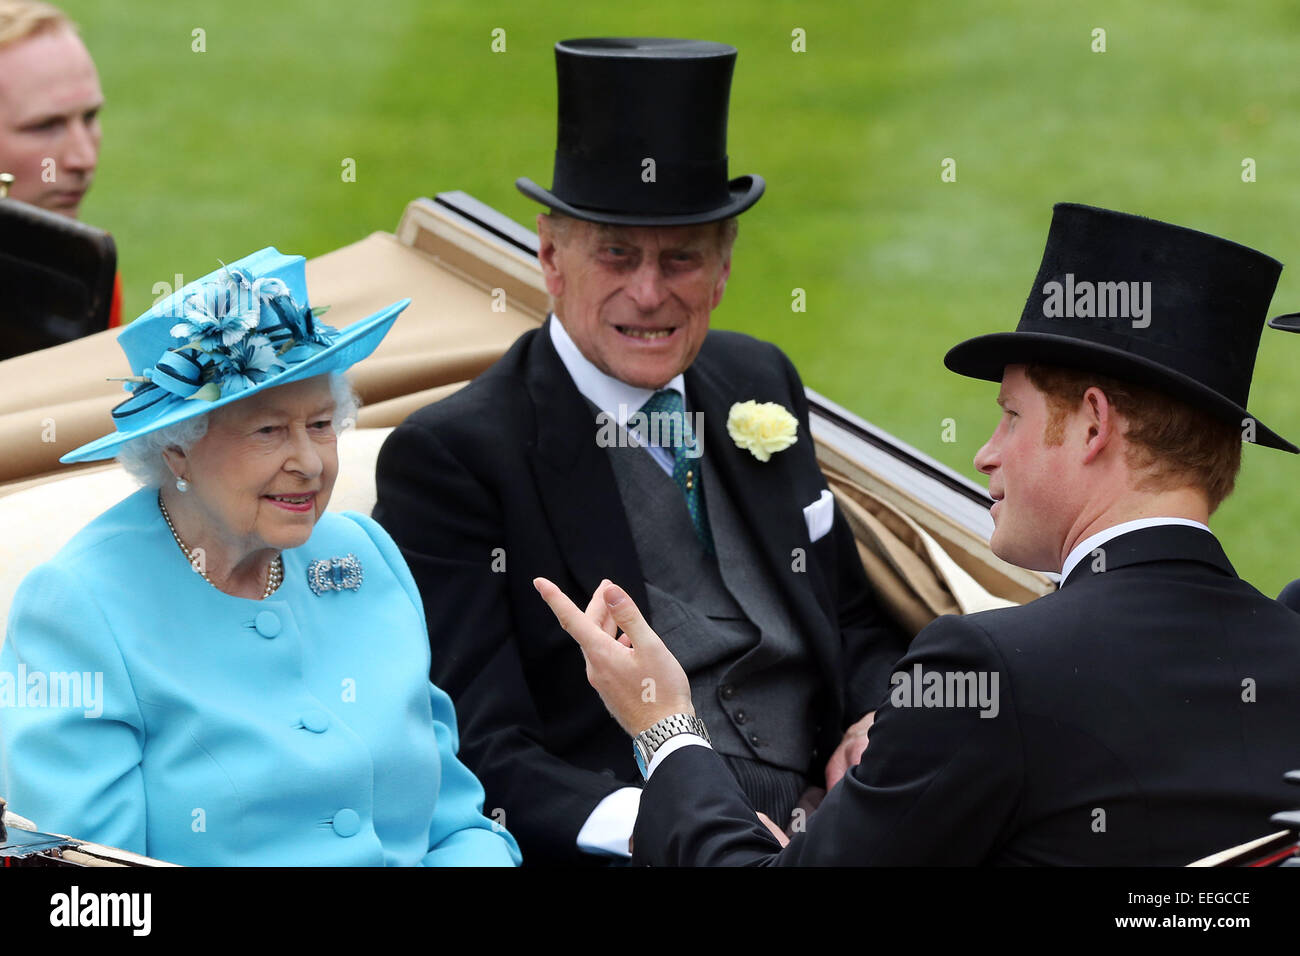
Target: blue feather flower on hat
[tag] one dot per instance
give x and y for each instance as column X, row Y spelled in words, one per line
column 234, row 333
column 246, row 363
column 217, row 315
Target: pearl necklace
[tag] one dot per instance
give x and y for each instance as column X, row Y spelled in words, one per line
column 274, row 574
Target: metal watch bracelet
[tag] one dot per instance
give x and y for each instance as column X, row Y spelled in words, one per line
column 646, row 743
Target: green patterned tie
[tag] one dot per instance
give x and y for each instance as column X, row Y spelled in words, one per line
column 667, row 420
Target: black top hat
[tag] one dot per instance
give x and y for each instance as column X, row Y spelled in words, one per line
column 624, row 101
column 1145, row 302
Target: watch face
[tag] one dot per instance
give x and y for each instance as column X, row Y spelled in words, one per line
column 639, row 755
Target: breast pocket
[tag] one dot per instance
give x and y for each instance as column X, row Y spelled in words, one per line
column 820, row 516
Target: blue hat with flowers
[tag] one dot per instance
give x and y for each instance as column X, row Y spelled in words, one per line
column 241, row 329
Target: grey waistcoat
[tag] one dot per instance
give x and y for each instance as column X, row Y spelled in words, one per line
column 752, row 678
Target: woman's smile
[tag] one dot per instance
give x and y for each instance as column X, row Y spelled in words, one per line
column 299, row 504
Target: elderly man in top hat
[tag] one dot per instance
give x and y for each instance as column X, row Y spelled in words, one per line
column 1146, row 712
column 617, row 440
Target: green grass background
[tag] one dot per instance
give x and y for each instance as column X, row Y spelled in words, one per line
column 211, row 155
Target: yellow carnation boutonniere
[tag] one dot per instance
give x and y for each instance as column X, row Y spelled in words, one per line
column 761, row 429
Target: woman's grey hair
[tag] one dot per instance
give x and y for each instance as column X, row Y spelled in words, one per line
column 143, row 457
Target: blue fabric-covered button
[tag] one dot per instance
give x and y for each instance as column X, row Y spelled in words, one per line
column 347, row 822
column 267, row 623
column 317, row 721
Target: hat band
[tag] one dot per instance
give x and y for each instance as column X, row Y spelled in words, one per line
column 645, row 185
column 1214, row 371
column 142, row 399
column 178, row 375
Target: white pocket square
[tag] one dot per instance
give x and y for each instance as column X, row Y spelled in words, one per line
column 820, row 515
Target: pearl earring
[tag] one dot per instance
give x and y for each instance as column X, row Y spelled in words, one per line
column 182, row 485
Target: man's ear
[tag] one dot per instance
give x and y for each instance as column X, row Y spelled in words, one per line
column 1100, row 422
column 547, row 247
column 721, row 285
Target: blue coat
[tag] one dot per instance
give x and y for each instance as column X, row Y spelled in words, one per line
column 142, row 708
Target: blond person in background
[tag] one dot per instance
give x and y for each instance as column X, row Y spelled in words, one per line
column 49, row 107
column 50, row 100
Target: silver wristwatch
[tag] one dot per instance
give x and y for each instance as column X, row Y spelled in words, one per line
column 648, row 741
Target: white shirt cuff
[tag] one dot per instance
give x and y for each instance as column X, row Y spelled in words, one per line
column 674, row 743
column 609, row 828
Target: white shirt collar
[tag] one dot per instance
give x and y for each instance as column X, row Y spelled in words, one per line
column 612, row 396
column 1091, row 543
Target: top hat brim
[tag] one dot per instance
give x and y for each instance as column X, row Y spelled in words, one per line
column 987, row 356
column 744, row 190
column 1287, row 323
column 353, row 344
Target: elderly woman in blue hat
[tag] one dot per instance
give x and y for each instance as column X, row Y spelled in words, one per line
column 264, row 664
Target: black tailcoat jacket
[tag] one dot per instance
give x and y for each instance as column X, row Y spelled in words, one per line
column 504, row 481
column 1146, row 714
